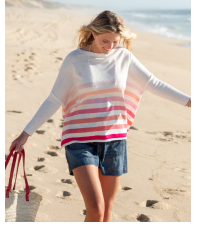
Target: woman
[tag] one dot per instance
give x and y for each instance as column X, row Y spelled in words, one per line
column 99, row 86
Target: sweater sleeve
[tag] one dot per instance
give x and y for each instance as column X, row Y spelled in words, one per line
column 145, row 80
column 46, row 110
column 166, row 91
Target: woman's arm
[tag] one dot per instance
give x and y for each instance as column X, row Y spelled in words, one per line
column 166, row 91
column 46, row 110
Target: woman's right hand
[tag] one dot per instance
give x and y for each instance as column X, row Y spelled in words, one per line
column 19, row 142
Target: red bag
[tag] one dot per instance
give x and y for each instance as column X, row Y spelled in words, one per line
column 16, row 207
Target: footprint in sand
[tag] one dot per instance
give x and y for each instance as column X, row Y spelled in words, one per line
column 124, row 188
column 161, row 139
column 141, row 217
column 38, row 159
column 28, row 68
column 40, row 131
column 31, row 187
column 13, row 111
column 57, row 139
column 44, row 169
column 151, row 132
column 59, row 58
column 133, row 128
column 63, row 194
column 34, row 58
column 83, row 212
column 155, row 204
column 61, row 125
column 167, row 133
column 51, row 153
column 67, row 181
column 170, row 136
column 38, row 167
column 145, row 218
column 54, row 147
column 50, row 120
column 176, row 191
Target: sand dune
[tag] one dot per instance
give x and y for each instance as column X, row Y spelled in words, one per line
column 157, row 187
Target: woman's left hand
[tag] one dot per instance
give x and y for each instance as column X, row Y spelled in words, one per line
column 188, row 103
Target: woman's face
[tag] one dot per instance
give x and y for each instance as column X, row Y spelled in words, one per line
column 104, row 43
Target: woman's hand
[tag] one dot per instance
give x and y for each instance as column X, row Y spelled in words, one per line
column 19, row 142
column 188, row 103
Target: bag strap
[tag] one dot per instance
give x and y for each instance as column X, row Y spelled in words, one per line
column 12, row 171
column 8, row 158
column 17, row 170
column 11, row 174
column 26, row 182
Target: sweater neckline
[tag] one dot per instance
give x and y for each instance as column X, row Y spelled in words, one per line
column 95, row 54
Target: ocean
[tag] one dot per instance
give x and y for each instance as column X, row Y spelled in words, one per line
column 168, row 23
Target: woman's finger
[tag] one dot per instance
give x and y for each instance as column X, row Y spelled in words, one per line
column 20, row 149
column 13, row 144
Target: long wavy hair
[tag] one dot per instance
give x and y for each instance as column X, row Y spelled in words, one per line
column 105, row 22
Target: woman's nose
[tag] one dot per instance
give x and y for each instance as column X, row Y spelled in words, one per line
column 109, row 47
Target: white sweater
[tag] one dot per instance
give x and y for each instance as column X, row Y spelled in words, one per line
column 100, row 94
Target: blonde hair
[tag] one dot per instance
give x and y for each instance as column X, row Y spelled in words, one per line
column 105, row 22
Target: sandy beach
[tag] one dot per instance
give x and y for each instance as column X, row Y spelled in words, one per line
column 157, row 187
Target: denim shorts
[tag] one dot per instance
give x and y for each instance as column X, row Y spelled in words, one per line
column 110, row 157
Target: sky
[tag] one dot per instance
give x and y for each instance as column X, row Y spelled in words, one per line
column 132, row 4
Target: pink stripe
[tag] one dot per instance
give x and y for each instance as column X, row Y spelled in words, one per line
column 99, row 100
column 102, row 137
column 95, row 119
column 129, row 112
column 131, row 104
column 71, row 95
column 94, row 129
column 134, row 87
column 95, row 110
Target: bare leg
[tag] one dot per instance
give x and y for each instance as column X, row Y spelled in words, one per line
column 87, row 178
column 110, row 187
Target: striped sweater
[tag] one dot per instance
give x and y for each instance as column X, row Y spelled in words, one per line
column 100, row 94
